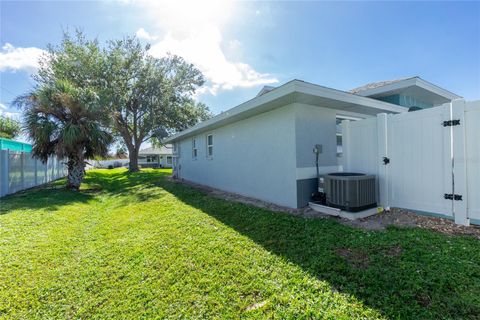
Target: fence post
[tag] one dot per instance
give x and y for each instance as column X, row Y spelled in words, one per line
column 459, row 163
column 22, row 163
column 3, row 172
column 346, row 144
column 382, row 142
column 36, row 173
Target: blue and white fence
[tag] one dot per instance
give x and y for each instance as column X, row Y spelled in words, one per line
column 20, row 171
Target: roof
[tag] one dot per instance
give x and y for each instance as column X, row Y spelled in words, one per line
column 295, row 91
column 12, row 145
column 373, row 85
column 167, row 149
column 414, row 86
column 264, row 90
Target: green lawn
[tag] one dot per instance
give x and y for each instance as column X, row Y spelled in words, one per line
column 139, row 246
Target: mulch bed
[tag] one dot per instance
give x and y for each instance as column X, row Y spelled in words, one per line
column 404, row 218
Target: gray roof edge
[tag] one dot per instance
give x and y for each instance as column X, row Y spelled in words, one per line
column 291, row 86
column 386, row 86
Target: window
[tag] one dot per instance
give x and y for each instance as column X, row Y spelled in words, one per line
column 169, row 160
column 176, row 149
column 209, row 146
column 194, row 148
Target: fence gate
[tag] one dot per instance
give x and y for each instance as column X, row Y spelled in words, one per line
column 419, row 147
column 422, row 158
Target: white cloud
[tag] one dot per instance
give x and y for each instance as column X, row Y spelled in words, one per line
column 15, row 58
column 142, row 34
column 193, row 30
column 2, row 106
column 203, row 49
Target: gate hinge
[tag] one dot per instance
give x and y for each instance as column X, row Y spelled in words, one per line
column 450, row 196
column 451, row 123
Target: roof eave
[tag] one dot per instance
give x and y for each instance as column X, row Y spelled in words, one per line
column 436, row 89
column 294, row 86
column 415, row 81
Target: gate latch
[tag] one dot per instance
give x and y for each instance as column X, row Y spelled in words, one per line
column 386, row 160
column 450, row 196
column 451, row 123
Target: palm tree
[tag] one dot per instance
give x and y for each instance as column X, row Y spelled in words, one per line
column 68, row 122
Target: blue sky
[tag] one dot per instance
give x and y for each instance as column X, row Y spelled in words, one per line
column 241, row 46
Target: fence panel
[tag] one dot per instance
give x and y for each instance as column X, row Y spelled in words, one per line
column 49, row 169
column 361, row 151
column 41, row 172
column 472, row 134
column 434, row 158
column 19, row 171
column 3, row 172
column 29, row 171
column 15, row 172
column 420, row 168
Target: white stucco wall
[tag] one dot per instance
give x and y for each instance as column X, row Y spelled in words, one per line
column 255, row 157
column 314, row 125
column 268, row 156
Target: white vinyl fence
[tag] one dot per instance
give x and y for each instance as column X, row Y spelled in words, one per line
column 427, row 161
column 19, row 171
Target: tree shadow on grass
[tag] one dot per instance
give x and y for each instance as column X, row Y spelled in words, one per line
column 48, row 197
column 127, row 187
column 403, row 273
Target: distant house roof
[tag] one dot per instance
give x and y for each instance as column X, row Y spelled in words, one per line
column 167, row 149
column 373, row 85
column 264, row 90
column 413, row 86
column 12, row 145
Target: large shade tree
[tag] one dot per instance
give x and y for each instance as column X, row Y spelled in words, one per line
column 64, row 114
column 148, row 97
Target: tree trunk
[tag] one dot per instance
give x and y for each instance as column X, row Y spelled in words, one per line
column 76, row 171
column 133, row 156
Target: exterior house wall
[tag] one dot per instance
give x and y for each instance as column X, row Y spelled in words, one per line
column 313, row 125
column 255, row 157
column 159, row 161
column 269, row 156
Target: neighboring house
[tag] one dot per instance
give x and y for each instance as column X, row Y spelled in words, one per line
column 263, row 147
column 156, row 157
column 12, row 145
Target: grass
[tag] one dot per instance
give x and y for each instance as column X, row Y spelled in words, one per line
column 139, row 246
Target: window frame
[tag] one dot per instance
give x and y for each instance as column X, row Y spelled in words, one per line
column 194, row 149
column 208, row 154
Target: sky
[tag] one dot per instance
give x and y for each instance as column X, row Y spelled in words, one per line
column 242, row 46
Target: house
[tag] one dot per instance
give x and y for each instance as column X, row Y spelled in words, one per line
column 12, row 145
column 263, row 147
column 156, row 157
